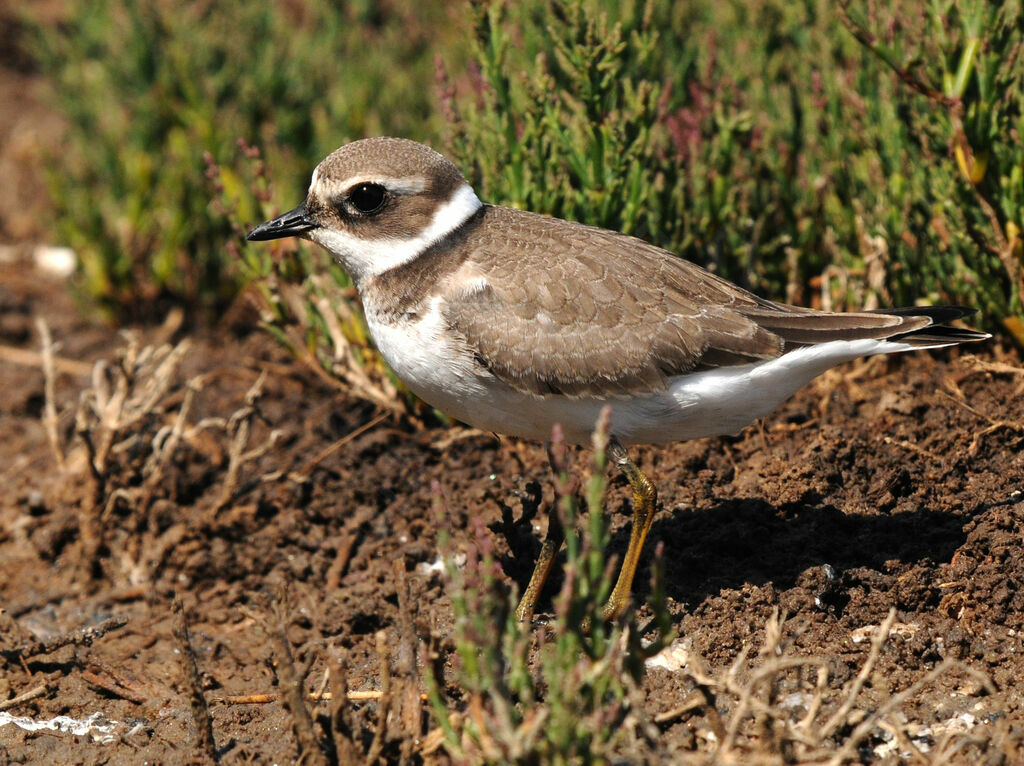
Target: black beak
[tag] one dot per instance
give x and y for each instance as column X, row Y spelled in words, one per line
column 291, row 224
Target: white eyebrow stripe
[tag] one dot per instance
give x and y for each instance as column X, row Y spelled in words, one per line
column 402, row 185
column 407, row 185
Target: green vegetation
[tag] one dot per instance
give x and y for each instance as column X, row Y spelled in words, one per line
column 961, row 73
column 149, row 86
column 763, row 140
column 839, row 156
column 576, row 696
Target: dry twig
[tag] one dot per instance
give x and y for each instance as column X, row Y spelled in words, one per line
column 123, row 394
column 369, row 695
column 308, row 468
column 849, row 749
column 21, row 699
column 384, row 707
column 110, row 680
column 994, row 424
column 291, row 680
column 411, row 710
column 238, row 428
column 163, row 446
column 205, row 743
column 382, row 392
column 49, row 387
column 762, row 730
column 344, row 739
column 26, row 358
column 80, row 637
column 841, row 716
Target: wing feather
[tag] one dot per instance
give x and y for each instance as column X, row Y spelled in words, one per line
column 585, row 312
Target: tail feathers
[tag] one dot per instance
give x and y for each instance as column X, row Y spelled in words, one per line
column 918, row 326
column 938, row 314
column 940, row 337
column 938, row 334
column 806, row 328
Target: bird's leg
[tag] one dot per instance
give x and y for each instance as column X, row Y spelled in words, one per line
column 552, row 544
column 645, row 498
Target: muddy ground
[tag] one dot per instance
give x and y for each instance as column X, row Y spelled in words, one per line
column 889, row 484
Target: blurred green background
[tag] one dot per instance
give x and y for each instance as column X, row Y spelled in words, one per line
column 836, row 155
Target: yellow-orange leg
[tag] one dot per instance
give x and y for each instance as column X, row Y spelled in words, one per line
column 645, row 498
column 552, row 544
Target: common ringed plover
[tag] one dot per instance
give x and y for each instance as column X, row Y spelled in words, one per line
column 512, row 321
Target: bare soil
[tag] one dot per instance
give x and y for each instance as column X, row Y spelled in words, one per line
column 892, row 483
column 889, row 484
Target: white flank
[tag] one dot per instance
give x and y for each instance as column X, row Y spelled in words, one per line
column 728, row 399
column 364, row 258
column 710, row 403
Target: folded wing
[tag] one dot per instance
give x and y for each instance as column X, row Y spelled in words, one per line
column 611, row 315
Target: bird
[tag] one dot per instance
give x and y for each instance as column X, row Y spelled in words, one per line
column 512, row 321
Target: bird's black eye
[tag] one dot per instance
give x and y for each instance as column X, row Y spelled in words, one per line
column 367, row 198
